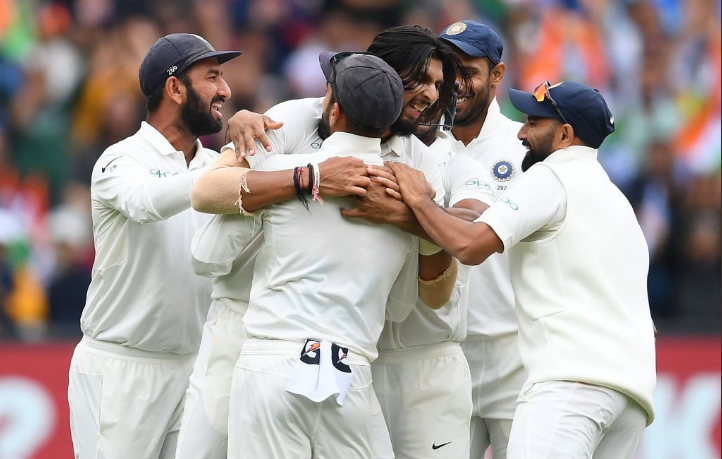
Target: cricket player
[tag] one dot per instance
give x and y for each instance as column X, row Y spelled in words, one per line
column 433, row 418
column 218, row 191
column 145, row 306
column 484, row 134
column 585, row 330
column 302, row 385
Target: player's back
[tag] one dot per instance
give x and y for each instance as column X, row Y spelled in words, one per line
column 320, row 275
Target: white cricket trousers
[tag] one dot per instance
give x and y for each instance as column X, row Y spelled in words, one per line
column 267, row 422
column 204, row 430
column 425, row 395
column 125, row 403
column 571, row 420
column 497, row 376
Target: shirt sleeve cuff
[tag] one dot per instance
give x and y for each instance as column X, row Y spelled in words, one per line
column 496, row 224
column 228, row 146
column 486, row 199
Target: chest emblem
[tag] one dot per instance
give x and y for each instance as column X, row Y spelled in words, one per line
column 503, row 171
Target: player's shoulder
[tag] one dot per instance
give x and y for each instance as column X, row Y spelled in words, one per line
column 281, row 162
column 209, row 154
column 414, row 150
column 130, row 147
column 297, row 108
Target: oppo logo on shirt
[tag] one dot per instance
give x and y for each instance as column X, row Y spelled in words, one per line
column 161, row 173
column 478, row 183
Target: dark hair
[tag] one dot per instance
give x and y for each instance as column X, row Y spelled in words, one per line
column 408, row 49
column 153, row 101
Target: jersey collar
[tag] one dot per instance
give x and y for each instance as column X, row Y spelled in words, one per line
column 345, row 144
column 159, row 142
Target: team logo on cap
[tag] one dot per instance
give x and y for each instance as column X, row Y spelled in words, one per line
column 503, row 171
column 456, row 28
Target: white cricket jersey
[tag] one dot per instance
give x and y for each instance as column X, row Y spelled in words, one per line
column 491, row 298
column 322, row 276
column 463, row 178
column 300, row 130
column 231, row 266
column 144, row 293
column 583, row 316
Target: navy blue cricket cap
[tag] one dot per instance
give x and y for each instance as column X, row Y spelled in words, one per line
column 172, row 54
column 582, row 106
column 475, row 39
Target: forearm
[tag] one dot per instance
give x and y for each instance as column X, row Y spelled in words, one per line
column 269, row 187
column 406, row 220
column 437, row 292
column 464, row 214
column 470, row 242
column 433, row 266
column 217, row 191
column 141, row 198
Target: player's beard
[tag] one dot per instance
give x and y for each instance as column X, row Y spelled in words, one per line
column 426, row 133
column 476, row 105
column 403, row 128
column 538, row 153
column 197, row 116
column 324, row 125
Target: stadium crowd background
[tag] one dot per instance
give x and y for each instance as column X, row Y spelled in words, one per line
column 69, row 88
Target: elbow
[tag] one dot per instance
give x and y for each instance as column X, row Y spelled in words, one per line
column 197, row 201
column 470, row 257
column 200, row 202
column 474, row 250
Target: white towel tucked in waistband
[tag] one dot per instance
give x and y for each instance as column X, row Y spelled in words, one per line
column 321, row 371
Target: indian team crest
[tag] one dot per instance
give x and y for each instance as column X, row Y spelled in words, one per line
column 503, row 170
column 456, row 28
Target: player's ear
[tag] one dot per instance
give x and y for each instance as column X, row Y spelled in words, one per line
column 174, row 89
column 497, row 73
column 567, row 135
column 334, row 114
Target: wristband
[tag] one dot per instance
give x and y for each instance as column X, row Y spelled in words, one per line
column 427, row 248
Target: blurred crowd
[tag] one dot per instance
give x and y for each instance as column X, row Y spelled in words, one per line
column 69, row 88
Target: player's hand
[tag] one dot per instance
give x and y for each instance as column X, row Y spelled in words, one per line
column 413, row 185
column 245, row 127
column 379, row 207
column 343, row 176
column 385, row 176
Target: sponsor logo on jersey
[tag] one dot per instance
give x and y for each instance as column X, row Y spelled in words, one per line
column 478, row 183
column 340, row 360
column 503, row 170
column 161, row 173
column 434, row 446
column 103, row 169
column 311, row 352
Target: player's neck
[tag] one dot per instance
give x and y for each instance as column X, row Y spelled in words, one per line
column 177, row 135
column 470, row 131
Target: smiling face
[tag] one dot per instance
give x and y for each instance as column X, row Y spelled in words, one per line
column 206, row 92
column 419, row 96
column 474, row 99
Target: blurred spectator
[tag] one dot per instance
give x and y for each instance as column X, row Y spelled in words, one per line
column 69, row 89
column 71, row 229
column 657, row 196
